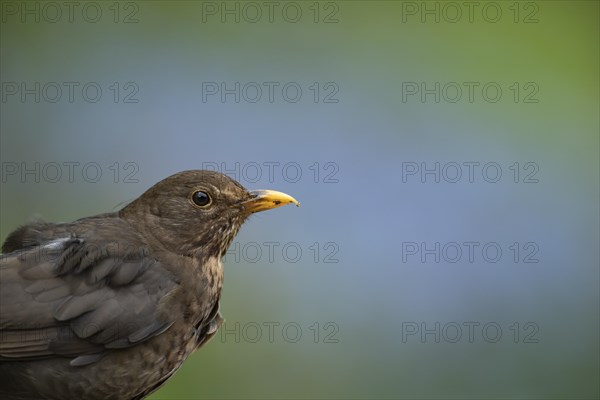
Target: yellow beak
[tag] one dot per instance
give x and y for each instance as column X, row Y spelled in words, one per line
column 266, row 199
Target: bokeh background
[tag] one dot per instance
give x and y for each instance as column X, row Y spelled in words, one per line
column 366, row 310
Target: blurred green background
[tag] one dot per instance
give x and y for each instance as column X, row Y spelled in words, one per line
column 366, row 310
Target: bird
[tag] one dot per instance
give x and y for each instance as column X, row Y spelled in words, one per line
column 110, row 306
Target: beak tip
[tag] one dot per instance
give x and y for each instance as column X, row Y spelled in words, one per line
column 267, row 199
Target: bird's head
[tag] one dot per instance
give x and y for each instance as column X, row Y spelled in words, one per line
column 198, row 212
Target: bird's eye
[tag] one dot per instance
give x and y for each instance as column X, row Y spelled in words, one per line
column 201, row 199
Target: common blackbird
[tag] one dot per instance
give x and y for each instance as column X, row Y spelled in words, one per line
column 109, row 306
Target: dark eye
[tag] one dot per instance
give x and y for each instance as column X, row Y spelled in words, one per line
column 201, row 199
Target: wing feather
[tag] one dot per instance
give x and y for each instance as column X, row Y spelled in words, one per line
column 68, row 298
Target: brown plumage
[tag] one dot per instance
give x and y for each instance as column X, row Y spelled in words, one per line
column 109, row 307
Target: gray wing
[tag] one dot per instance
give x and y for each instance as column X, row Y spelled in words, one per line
column 69, row 298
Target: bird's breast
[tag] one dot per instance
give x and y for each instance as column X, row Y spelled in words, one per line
column 212, row 270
